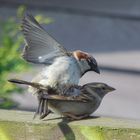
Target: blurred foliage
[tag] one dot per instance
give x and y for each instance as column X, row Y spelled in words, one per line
column 10, row 60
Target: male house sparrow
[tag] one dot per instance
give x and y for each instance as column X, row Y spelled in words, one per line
column 62, row 67
column 77, row 103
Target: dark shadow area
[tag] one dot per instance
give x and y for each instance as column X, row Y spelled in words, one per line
column 120, row 70
column 52, row 119
column 92, row 9
column 66, row 129
column 99, row 32
column 70, row 10
column 66, row 120
column 91, row 117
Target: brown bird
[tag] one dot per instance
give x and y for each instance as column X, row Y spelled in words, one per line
column 76, row 102
column 79, row 102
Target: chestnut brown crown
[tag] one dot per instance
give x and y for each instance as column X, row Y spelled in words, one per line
column 86, row 61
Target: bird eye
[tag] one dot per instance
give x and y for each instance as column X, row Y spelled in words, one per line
column 89, row 61
column 103, row 88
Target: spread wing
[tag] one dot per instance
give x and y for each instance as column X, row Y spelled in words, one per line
column 40, row 46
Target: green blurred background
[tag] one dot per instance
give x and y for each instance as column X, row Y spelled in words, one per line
column 11, row 40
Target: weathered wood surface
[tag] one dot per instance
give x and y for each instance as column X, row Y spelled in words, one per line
column 19, row 125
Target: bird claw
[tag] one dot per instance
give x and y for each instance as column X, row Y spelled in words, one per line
column 72, row 117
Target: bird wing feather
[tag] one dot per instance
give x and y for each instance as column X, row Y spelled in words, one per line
column 40, row 46
column 67, row 98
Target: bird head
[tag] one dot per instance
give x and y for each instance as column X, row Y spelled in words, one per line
column 98, row 88
column 86, row 62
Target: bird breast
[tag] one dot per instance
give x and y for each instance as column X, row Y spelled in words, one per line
column 64, row 70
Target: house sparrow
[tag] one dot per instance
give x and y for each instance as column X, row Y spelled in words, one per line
column 78, row 102
column 61, row 66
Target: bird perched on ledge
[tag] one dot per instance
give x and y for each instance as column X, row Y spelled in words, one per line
column 61, row 66
column 76, row 103
column 80, row 102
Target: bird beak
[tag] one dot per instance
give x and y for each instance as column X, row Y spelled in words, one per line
column 96, row 69
column 110, row 89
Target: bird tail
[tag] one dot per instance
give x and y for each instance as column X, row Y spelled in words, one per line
column 18, row 81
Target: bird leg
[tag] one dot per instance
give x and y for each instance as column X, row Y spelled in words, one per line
column 74, row 117
column 45, row 114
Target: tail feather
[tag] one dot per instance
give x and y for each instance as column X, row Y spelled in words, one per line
column 17, row 81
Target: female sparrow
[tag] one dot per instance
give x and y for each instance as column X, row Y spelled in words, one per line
column 76, row 102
